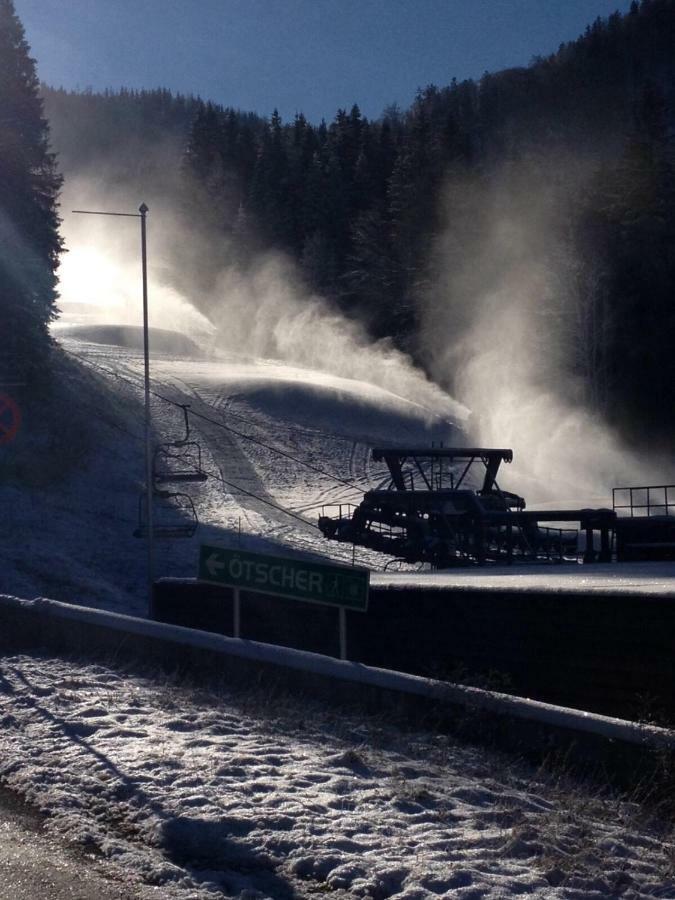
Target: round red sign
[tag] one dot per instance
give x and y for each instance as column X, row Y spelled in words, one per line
column 10, row 419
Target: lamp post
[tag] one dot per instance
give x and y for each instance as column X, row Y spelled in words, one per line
column 142, row 214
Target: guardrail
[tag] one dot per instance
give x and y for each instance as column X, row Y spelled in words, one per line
column 620, row 750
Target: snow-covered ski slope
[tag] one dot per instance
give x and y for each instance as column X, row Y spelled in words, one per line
column 275, row 437
column 278, row 443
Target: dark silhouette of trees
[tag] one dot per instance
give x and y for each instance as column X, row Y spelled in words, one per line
column 29, row 186
column 628, row 223
column 356, row 202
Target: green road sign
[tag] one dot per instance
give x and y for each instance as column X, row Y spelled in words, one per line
column 294, row 578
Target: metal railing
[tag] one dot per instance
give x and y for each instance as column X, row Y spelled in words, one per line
column 544, row 543
column 651, row 500
column 338, row 510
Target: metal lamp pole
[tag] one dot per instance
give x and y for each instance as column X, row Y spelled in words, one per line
column 142, row 214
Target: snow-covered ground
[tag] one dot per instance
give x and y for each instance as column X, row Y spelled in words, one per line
column 293, row 440
column 238, row 792
column 594, row 579
column 258, row 796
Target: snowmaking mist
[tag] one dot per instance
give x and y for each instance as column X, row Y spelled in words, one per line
column 198, row 288
column 265, row 312
column 100, row 274
column 500, row 327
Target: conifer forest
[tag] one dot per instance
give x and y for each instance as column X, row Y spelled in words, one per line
column 566, row 165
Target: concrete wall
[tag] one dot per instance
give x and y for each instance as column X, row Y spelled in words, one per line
column 609, row 653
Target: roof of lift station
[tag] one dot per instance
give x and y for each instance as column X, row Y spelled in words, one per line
column 646, row 579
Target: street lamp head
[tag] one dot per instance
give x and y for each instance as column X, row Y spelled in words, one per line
column 143, row 209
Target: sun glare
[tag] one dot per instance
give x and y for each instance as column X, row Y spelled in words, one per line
column 88, row 276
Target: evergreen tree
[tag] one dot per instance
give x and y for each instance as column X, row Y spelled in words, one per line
column 269, row 192
column 357, row 202
column 373, row 275
column 213, row 187
column 29, row 184
column 626, row 236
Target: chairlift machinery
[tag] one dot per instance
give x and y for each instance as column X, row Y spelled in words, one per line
column 174, row 512
column 430, row 513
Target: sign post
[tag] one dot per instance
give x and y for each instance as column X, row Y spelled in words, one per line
column 343, row 633
column 236, row 612
column 345, row 587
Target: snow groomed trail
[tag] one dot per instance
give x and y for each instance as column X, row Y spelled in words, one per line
column 277, row 439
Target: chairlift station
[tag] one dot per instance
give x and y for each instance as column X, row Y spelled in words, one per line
column 431, row 513
column 443, row 507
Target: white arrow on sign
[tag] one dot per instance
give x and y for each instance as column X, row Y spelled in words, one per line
column 214, row 565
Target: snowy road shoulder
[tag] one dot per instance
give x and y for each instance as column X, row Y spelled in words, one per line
column 35, row 864
column 257, row 796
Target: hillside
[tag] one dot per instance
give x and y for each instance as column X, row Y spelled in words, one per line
column 277, row 442
column 392, row 219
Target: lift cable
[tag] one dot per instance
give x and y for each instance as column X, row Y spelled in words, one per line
column 248, row 437
column 217, row 477
column 355, row 480
column 273, row 505
column 235, row 487
column 241, row 434
column 242, row 490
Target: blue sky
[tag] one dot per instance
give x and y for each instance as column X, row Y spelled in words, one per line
column 297, row 55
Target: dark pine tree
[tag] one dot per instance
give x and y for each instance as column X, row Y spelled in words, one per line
column 629, row 227
column 29, row 185
column 269, row 192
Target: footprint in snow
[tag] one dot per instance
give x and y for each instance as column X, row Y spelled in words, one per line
column 127, row 733
column 259, row 787
column 316, row 867
column 272, row 760
column 460, row 878
column 42, row 690
column 195, row 801
column 92, row 712
column 231, row 772
column 199, row 742
column 475, row 796
column 308, row 779
column 80, row 729
column 244, row 761
column 342, row 804
column 350, row 759
column 348, row 846
column 182, row 725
